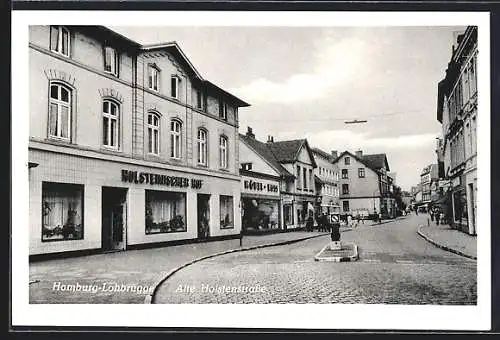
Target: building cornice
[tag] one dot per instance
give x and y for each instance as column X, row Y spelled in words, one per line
column 79, row 151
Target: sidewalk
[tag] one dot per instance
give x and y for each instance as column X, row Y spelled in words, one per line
column 53, row 281
column 450, row 239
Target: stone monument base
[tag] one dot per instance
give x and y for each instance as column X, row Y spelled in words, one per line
column 335, row 245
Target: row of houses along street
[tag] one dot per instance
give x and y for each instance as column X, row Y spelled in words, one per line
column 450, row 184
column 134, row 148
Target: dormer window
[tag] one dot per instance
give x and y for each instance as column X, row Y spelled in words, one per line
column 222, row 110
column 154, row 78
column 174, row 86
column 59, row 40
column 199, row 100
column 110, row 61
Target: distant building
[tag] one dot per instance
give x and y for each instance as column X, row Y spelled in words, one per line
column 326, row 177
column 457, row 112
column 364, row 184
column 429, row 180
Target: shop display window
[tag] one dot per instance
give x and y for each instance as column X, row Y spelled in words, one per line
column 260, row 214
column 226, row 212
column 460, row 207
column 62, row 211
column 165, row 212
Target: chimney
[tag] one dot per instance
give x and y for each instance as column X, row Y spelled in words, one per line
column 359, row 153
column 249, row 132
column 270, row 139
column 334, row 154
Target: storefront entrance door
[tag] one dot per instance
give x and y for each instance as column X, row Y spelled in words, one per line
column 203, row 205
column 114, row 218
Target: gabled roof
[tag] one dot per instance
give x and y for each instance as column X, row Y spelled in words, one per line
column 288, row 151
column 173, row 48
column 323, row 154
column 263, row 150
column 376, row 161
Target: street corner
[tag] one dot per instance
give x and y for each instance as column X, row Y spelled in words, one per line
column 347, row 252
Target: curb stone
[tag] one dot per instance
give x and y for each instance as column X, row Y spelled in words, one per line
column 351, row 258
column 149, row 299
column 441, row 246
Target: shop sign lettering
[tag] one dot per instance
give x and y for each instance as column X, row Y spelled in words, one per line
column 259, row 186
column 157, row 179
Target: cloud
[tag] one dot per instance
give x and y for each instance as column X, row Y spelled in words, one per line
column 333, row 63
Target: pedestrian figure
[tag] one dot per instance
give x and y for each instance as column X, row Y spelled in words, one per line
column 324, row 222
column 321, row 225
column 431, row 214
column 309, row 223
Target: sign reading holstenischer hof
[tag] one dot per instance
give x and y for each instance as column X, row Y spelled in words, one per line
column 158, row 179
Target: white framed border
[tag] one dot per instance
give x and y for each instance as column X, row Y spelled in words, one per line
column 356, row 316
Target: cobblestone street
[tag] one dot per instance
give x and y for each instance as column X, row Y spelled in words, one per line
column 395, row 266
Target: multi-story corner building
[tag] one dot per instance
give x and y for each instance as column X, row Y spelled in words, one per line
column 263, row 180
column 326, row 177
column 129, row 145
column 429, row 182
column 457, row 112
column 364, row 184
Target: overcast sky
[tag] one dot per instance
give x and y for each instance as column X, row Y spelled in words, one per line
column 304, row 82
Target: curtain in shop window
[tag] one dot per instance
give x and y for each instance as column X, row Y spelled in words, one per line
column 165, row 210
column 226, row 212
column 62, row 213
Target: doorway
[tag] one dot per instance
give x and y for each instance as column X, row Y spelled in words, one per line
column 472, row 229
column 203, row 204
column 114, row 217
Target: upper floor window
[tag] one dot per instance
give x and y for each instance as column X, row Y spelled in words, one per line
column 299, row 178
column 175, row 139
column 347, row 160
column 222, row 110
column 361, row 172
column 59, row 40
column 174, row 86
column 345, row 174
column 199, row 99
column 304, row 178
column 202, row 147
column 345, row 206
column 153, row 78
column 110, row 60
column 311, row 180
column 223, row 152
column 60, row 112
column 110, row 124
column 345, row 189
column 153, row 134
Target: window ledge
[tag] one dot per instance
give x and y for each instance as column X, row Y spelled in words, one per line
column 58, row 140
column 111, row 149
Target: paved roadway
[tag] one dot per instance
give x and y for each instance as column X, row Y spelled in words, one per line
column 396, row 266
